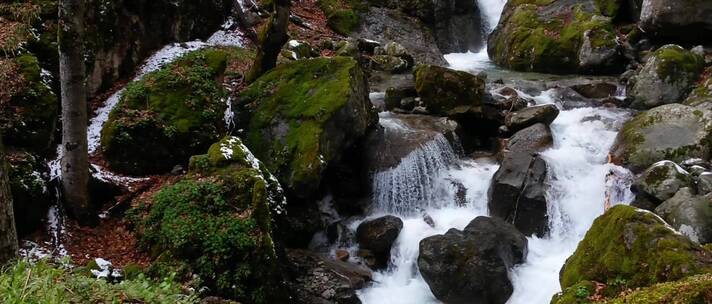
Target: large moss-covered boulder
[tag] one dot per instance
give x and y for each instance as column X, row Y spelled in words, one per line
column 28, row 107
column 30, row 192
column 667, row 77
column 691, row 290
column 301, row 117
column 217, row 224
column 672, row 132
column 555, row 36
column 628, row 248
column 682, row 20
column 448, row 92
column 171, row 114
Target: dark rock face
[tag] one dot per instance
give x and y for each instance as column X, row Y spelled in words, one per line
column 30, row 190
column 448, row 92
column 532, row 139
column 378, row 236
column 517, row 192
column 470, row 266
column 387, row 25
column 687, row 20
column 320, row 280
column 526, row 117
column 456, row 24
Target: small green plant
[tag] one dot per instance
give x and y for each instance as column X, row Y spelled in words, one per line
column 582, row 292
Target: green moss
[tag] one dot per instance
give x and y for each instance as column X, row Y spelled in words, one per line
column 530, row 42
column 674, row 61
column 691, row 290
column 342, row 15
column 170, row 114
column 636, row 248
column 608, row 8
column 448, row 92
column 286, row 111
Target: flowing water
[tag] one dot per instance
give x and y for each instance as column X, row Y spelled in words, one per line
column 422, row 184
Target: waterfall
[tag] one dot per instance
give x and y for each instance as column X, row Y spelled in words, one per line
column 408, row 187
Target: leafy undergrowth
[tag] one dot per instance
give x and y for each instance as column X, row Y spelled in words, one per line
column 46, row 283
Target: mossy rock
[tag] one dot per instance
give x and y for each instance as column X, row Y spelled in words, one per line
column 448, row 92
column 30, row 116
column 341, row 15
column 667, row 77
column 672, row 132
column 691, row 290
column 554, row 37
column 171, row 114
column 302, row 116
column 30, row 191
column 629, row 248
column 702, row 92
column 579, row 293
column 217, row 224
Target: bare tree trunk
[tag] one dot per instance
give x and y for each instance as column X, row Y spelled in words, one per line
column 273, row 37
column 75, row 160
column 8, row 234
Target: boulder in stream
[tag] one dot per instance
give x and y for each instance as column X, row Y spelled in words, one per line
column 449, row 92
column 674, row 132
column 663, row 179
column 690, row 214
column 536, row 138
column 472, row 265
column 667, row 77
column 378, row 236
column 518, row 120
column 685, row 20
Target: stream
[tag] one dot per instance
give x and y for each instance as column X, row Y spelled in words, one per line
column 422, row 184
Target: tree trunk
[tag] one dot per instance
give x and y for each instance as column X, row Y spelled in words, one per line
column 8, row 234
column 272, row 38
column 75, row 162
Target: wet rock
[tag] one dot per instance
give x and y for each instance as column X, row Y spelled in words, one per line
column 663, row 179
column 342, row 255
column 518, row 120
column 596, row 89
column 471, row 266
column 395, row 96
column 559, row 37
column 388, row 25
column 301, row 117
column 368, row 46
column 390, row 64
column 686, row 20
column 536, row 138
column 704, row 183
column 674, row 132
column 448, row 92
column 316, row 279
column 690, row 214
column 517, row 192
column 378, row 236
column 637, row 248
column 339, row 233
column 509, row 99
column 667, row 77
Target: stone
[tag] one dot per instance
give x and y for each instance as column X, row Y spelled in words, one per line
column 342, row 255
column 317, row 279
column 448, row 92
column 596, row 89
column 518, row 120
column 673, row 132
column 690, row 214
column 704, row 183
column 378, row 236
column 663, row 179
column 302, row 116
column 535, row 138
column 471, row 266
column 635, row 247
column 390, row 64
column 667, row 77
column 686, row 20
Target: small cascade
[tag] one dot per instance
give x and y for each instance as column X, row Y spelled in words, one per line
column 408, row 187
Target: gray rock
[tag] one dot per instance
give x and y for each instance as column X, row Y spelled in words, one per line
column 536, row 138
column 596, row 89
column 687, row 20
column 667, row 77
column 704, row 183
column 516, row 193
column 471, row 266
column 521, row 119
column 317, row 279
column 390, row 64
column 592, row 58
column 690, row 214
column 663, row 179
column 674, row 132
